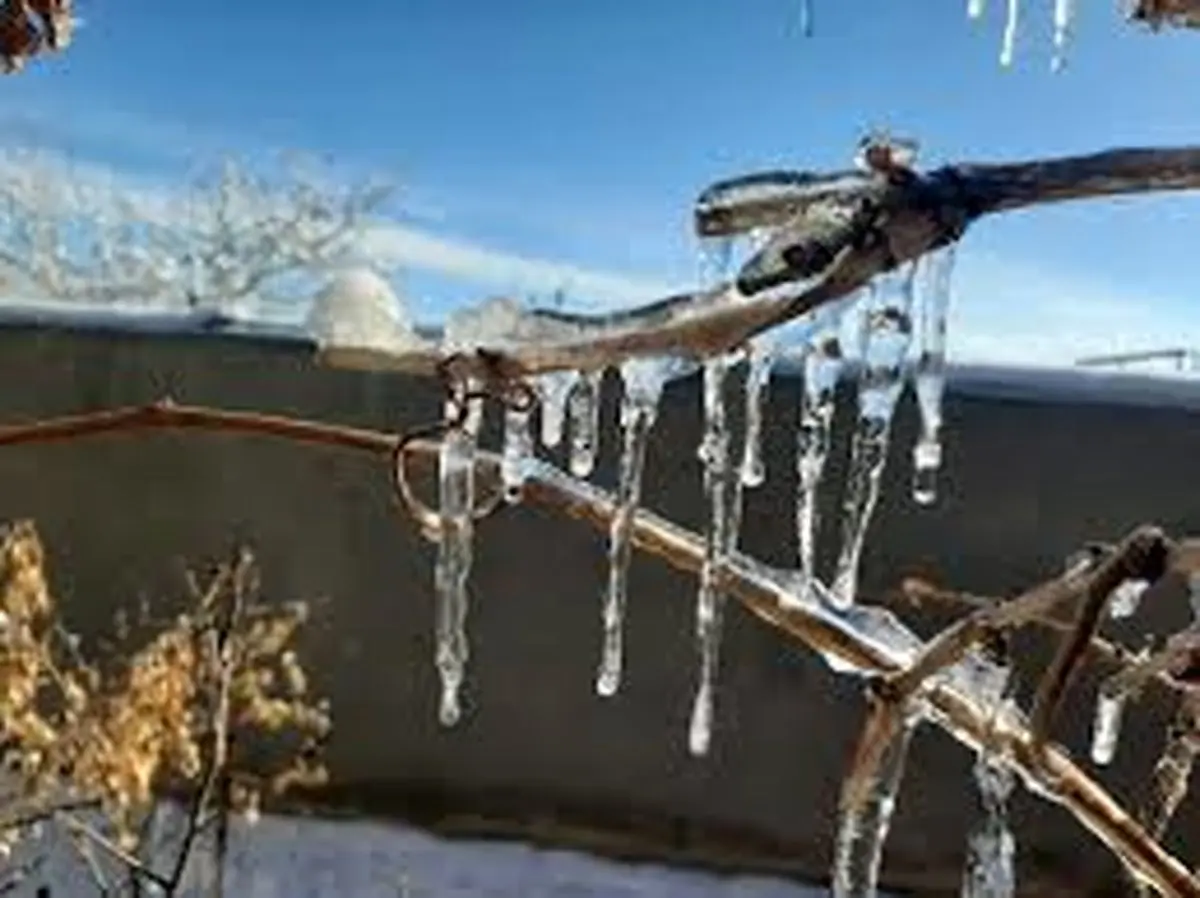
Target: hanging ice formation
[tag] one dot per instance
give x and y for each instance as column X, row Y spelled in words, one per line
column 1012, row 20
column 1126, row 598
column 991, row 849
column 1107, row 729
column 517, row 452
column 1064, row 12
column 456, row 498
column 583, row 417
column 823, row 363
column 929, row 375
column 722, row 490
column 885, row 335
column 863, row 830
column 642, row 382
column 758, row 377
column 975, row 8
column 553, row 389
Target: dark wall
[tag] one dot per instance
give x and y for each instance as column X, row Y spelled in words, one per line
column 538, row 754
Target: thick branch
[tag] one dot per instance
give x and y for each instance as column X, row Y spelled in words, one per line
column 835, row 233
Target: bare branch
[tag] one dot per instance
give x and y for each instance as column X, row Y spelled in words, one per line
column 766, row 593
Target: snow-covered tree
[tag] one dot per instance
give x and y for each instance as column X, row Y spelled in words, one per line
column 229, row 239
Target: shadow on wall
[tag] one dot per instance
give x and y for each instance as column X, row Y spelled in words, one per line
column 1033, row 470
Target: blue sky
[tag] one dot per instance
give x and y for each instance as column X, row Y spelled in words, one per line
column 574, row 134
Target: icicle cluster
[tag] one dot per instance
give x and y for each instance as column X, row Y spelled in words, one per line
column 1064, row 16
column 568, row 415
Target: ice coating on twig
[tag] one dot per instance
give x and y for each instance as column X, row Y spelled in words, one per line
column 758, row 379
column 1008, row 45
column 583, row 414
column 886, row 333
column 516, row 453
column 991, row 850
column 722, row 490
column 1126, row 598
column 553, row 388
column 863, row 831
column 929, row 373
column 642, row 383
column 1106, row 731
column 1064, row 14
column 823, row 363
column 456, row 498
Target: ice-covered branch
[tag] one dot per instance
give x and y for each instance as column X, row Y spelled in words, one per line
column 1172, row 13
column 829, row 236
column 864, row 640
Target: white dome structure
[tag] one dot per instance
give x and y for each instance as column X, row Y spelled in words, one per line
column 358, row 309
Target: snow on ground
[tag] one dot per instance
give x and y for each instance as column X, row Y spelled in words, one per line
column 303, row 858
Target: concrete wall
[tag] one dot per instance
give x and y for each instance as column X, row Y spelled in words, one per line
column 1029, row 479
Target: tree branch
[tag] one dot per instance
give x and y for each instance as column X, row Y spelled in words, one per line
column 866, row 639
column 834, row 234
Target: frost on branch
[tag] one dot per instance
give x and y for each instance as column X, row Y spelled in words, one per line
column 232, row 240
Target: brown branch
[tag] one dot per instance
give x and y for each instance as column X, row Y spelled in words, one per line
column 764, row 592
column 835, row 233
column 1142, row 555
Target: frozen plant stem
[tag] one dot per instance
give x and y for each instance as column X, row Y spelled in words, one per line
column 886, row 333
column 642, row 381
column 456, row 496
column 722, row 489
column 929, row 377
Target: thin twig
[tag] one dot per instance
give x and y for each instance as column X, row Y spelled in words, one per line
column 131, row 862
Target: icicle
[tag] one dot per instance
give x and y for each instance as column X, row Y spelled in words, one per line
column 806, row 18
column 722, row 488
column 1011, row 21
column 991, row 849
column 758, row 377
column 456, row 488
column 1064, row 13
column 518, row 450
column 583, row 412
column 643, row 381
column 887, row 330
column 553, row 389
column 862, row 833
column 1126, row 598
column 1107, row 730
column 823, row 363
column 930, row 373
column 975, row 9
